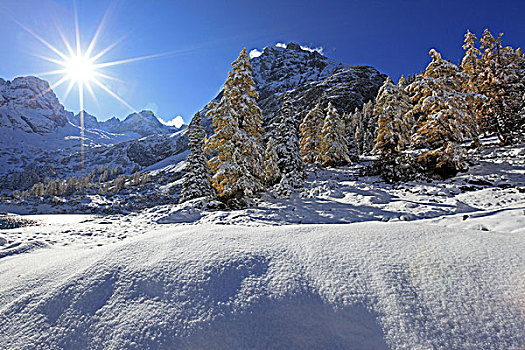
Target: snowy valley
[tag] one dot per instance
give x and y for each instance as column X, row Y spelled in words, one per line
column 161, row 243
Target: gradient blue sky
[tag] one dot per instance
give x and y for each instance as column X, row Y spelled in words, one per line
column 393, row 36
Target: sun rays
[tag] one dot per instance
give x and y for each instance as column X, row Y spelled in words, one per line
column 84, row 69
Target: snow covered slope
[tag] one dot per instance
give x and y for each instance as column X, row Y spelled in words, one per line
column 37, row 133
column 354, row 286
column 332, row 276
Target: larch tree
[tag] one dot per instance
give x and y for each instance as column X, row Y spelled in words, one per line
column 500, row 83
column 394, row 126
column 310, row 137
column 235, row 147
column 196, row 181
column 271, row 169
column 287, row 142
column 365, row 125
column 402, row 83
column 470, row 65
column 334, row 150
column 445, row 117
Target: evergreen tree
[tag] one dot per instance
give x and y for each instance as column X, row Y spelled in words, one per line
column 196, row 180
column 349, row 129
column 334, row 150
column 271, row 169
column 355, row 130
column 365, row 128
column 500, row 83
column 369, row 127
column 402, row 83
column 445, row 117
column 470, row 65
column 392, row 105
column 235, row 146
column 287, row 141
column 310, row 138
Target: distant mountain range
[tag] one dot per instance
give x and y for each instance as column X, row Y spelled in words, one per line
column 142, row 124
column 37, row 132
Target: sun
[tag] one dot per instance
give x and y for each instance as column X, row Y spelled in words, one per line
column 80, row 69
column 84, row 69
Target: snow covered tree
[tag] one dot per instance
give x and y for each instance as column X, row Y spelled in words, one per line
column 235, row 146
column 349, row 129
column 353, row 130
column 470, row 62
column 52, row 188
column 271, row 169
column 392, row 105
column 402, row 83
column 365, row 127
column 287, row 141
column 500, row 83
column 104, row 176
column 118, row 184
column 370, row 123
column 445, row 118
column 196, row 180
column 470, row 65
column 310, row 138
column 334, row 150
column 37, row 190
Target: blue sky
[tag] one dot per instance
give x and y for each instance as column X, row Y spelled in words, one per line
column 393, row 36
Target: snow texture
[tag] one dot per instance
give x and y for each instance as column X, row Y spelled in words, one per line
column 366, row 286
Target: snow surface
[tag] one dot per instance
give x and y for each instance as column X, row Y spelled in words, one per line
column 348, row 262
column 363, row 286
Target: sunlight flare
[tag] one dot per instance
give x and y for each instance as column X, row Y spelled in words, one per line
column 80, row 69
column 83, row 68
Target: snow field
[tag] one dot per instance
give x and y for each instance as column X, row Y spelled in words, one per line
column 363, row 285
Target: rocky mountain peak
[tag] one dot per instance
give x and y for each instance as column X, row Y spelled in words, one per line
column 294, row 46
column 90, row 121
column 306, row 78
column 143, row 123
column 28, row 103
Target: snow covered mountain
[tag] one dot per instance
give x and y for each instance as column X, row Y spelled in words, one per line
column 29, row 104
column 143, row 123
column 310, row 77
column 37, row 132
column 307, row 78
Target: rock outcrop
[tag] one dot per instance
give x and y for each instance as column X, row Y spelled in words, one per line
column 29, row 104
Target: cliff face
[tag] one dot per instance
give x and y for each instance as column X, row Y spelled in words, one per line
column 29, row 104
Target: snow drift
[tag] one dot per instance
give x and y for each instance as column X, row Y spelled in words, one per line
column 365, row 286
